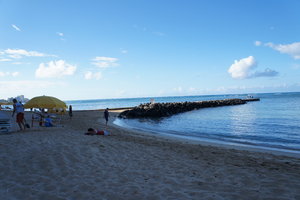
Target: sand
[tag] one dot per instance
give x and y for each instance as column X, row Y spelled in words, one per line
column 63, row 163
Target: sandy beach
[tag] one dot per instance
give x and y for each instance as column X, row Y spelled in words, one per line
column 63, row 163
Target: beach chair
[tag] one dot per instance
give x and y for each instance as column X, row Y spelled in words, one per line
column 5, row 125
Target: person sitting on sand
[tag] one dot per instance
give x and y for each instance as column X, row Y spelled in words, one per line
column 48, row 121
column 92, row 131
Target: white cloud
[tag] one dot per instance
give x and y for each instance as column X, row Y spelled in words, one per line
column 14, row 74
column 105, row 62
column 292, row 49
column 90, row 75
column 107, row 59
column 60, row 34
column 281, row 87
column 178, row 89
column 19, row 53
column 4, row 59
column 257, row 43
column 15, row 27
column 17, row 63
column 55, row 69
column 242, row 69
column 97, row 75
column 2, row 74
column 192, row 89
column 123, row 51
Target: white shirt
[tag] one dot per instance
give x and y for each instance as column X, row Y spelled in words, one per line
column 19, row 108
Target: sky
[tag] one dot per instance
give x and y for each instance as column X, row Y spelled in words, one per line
column 100, row 49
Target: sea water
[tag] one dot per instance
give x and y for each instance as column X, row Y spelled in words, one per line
column 273, row 122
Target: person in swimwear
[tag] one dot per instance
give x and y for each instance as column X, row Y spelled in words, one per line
column 92, row 131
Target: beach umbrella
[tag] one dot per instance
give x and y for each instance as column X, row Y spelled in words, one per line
column 47, row 102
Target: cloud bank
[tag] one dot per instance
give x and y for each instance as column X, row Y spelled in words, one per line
column 243, row 69
column 55, row 69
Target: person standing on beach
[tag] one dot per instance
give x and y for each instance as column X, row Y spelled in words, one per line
column 106, row 115
column 70, row 112
column 19, row 109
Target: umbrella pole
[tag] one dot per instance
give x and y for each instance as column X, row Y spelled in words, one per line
column 32, row 120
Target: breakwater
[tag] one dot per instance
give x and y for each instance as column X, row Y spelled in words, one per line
column 168, row 109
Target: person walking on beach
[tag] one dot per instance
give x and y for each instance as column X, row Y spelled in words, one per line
column 19, row 109
column 70, row 112
column 106, row 115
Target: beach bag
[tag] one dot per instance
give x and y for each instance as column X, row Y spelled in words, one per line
column 27, row 125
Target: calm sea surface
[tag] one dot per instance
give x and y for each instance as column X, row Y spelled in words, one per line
column 272, row 122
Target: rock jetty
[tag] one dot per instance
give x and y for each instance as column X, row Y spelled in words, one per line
column 154, row 110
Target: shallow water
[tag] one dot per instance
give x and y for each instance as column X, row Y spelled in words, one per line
column 273, row 122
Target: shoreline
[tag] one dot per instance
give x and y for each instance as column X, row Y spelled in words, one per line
column 63, row 163
column 188, row 139
column 215, row 142
column 210, row 142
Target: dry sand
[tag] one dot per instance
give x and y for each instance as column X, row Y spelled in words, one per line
column 63, row 163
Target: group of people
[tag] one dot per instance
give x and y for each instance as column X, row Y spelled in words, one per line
column 18, row 109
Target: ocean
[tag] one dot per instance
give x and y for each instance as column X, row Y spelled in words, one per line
column 271, row 123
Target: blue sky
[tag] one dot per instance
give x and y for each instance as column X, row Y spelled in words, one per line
column 140, row 48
